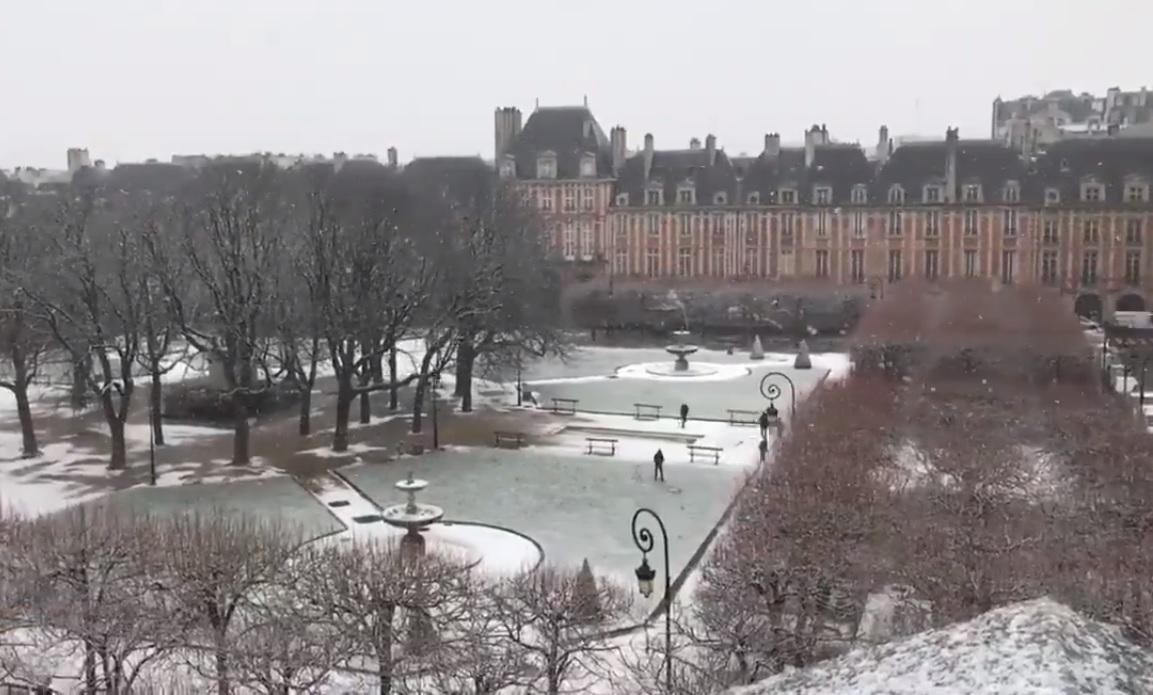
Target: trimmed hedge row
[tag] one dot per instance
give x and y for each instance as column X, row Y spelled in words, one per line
column 212, row 404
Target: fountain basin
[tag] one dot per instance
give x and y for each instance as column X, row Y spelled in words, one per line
column 411, row 516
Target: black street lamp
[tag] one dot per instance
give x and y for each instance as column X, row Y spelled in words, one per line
column 644, row 540
column 772, row 392
column 152, row 445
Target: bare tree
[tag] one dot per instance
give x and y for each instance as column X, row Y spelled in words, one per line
column 24, row 341
column 91, row 302
column 390, row 603
column 545, row 614
column 90, row 575
column 362, row 275
column 229, row 234
column 475, row 657
column 214, row 567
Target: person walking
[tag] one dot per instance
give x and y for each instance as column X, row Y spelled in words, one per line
column 763, row 447
column 684, row 414
column 659, row 466
column 763, row 421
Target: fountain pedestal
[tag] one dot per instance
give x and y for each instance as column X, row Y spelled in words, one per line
column 412, row 516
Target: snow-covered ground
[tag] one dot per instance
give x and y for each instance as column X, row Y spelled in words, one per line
column 498, row 552
column 1030, row 648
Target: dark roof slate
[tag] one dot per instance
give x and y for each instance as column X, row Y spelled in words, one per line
column 839, row 166
column 914, row 165
column 1067, row 163
column 672, row 168
column 569, row 132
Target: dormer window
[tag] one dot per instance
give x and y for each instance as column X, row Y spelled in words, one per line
column 720, row 198
column 508, row 168
column 822, row 195
column 686, row 195
column 860, row 194
column 588, row 166
column 1052, row 196
column 971, row 193
column 622, row 199
column 546, row 166
column 654, row 196
column 1092, row 192
column 1012, row 192
column 788, row 196
column 754, row 198
column 932, row 194
column 1136, row 193
column 896, row 195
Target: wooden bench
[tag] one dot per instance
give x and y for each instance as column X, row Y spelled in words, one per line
column 647, row 411
column 744, row 417
column 601, row 446
column 696, row 450
column 508, row 440
column 564, row 406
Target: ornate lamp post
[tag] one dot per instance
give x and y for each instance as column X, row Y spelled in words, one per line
column 644, row 540
column 772, row 392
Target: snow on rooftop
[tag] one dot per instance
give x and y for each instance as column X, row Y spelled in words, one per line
column 1037, row 646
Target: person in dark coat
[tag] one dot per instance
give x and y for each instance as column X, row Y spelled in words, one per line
column 763, row 421
column 764, row 448
column 659, row 466
column 684, row 414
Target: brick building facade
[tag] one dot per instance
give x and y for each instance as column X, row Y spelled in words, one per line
column 1077, row 217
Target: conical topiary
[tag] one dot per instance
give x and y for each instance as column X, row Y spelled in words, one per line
column 586, row 597
column 803, row 361
column 758, row 351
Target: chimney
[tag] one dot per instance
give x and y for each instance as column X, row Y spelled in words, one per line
column 772, row 145
column 711, row 149
column 392, row 160
column 695, row 144
column 100, row 166
column 507, row 128
column 824, row 135
column 883, row 144
column 951, row 165
column 648, row 154
column 338, row 160
column 619, row 145
column 811, row 137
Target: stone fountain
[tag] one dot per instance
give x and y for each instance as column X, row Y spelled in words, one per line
column 681, row 350
column 412, row 516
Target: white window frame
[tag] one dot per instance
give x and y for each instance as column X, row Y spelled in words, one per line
column 1092, row 193
column 1012, row 193
column 1052, row 196
column 858, row 224
column 654, row 193
column 788, row 196
column 690, row 198
column 720, row 198
column 588, row 167
column 896, row 194
column 860, row 194
column 622, row 199
column 822, row 195
column 970, row 222
column 932, row 194
column 546, row 166
column 754, row 198
column 971, row 193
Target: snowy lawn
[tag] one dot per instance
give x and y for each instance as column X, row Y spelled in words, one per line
column 590, row 376
column 575, row 506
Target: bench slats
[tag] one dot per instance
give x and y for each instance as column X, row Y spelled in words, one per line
column 714, row 452
column 597, row 445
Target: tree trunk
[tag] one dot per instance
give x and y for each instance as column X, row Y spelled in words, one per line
column 418, row 405
column 344, row 398
column 365, row 399
column 90, row 675
column 465, row 360
column 393, row 397
column 156, row 406
column 81, row 368
column 24, row 410
column 119, row 460
column 241, row 432
column 305, row 424
column 384, row 663
column 223, row 684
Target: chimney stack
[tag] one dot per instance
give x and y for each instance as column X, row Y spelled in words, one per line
column 811, row 137
column 619, row 145
column 772, row 145
column 648, row 154
column 824, row 135
column 506, row 129
column 883, row 145
column 711, row 149
column 951, row 138
column 695, row 144
column 392, row 159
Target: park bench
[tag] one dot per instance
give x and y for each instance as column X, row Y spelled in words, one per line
column 564, row 406
column 647, row 411
column 601, row 446
column 743, row 417
column 508, row 440
column 696, row 450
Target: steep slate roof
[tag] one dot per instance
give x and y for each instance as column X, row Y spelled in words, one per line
column 1067, row 162
column 671, row 168
column 568, row 131
column 836, row 165
column 916, row 164
column 159, row 178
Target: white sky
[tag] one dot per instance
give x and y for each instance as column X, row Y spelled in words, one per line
column 131, row 79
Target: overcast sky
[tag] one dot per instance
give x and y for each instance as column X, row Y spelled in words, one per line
column 131, row 79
